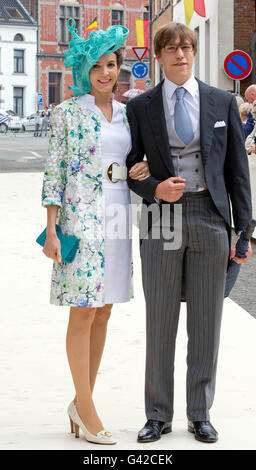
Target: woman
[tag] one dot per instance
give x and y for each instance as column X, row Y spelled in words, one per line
column 88, row 133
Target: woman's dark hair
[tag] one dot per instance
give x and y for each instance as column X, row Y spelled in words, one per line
column 119, row 61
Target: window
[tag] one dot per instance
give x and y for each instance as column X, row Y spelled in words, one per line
column 145, row 12
column 14, row 14
column 156, row 9
column 197, row 58
column 18, row 61
column 18, row 100
column 117, row 17
column 207, row 52
column 18, row 37
column 124, row 76
column 65, row 13
column 54, row 87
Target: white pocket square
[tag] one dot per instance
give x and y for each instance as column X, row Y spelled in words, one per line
column 219, row 124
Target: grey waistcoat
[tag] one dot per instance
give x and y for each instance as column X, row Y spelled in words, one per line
column 187, row 160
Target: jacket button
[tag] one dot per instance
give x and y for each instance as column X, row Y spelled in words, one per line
column 196, row 156
column 196, row 170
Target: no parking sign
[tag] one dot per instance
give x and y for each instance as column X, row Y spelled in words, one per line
column 238, row 65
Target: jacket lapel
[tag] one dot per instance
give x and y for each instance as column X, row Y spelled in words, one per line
column 207, row 118
column 155, row 112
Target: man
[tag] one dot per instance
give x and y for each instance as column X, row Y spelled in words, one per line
column 250, row 96
column 192, row 136
column 250, row 139
column 37, row 124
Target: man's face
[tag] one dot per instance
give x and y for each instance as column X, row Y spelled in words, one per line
column 250, row 95
column 177, row 62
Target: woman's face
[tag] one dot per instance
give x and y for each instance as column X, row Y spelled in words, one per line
column 103, row 74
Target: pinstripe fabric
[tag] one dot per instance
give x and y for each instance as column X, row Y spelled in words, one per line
column 204, row 255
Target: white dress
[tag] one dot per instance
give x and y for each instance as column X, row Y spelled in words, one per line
column 115, row 144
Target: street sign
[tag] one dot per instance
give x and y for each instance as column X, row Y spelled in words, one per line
column 139, row 52
column 39, row 99
column 238, row 65
column 139, row 70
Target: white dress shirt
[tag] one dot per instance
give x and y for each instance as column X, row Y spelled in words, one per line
column 191, row 99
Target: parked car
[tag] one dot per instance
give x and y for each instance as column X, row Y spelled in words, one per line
column 3, row 123
column 13, row 121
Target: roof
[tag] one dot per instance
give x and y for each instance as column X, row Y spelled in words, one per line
column 12, row 12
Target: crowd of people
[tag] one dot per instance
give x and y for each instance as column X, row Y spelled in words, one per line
column 247, row 110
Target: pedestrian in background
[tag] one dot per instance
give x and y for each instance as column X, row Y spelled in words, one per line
column 250, row 139
column 244, row 110
column 250, row 96
column 45, row 122
column 37, row 124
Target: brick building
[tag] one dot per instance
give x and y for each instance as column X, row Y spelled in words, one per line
column 53, row 38
column 245, row 35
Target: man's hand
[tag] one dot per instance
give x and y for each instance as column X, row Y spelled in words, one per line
column 240, row 260
column 250, row 149
column 171, row 189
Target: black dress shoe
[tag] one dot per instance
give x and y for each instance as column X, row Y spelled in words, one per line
column 153, row 429
column 203, row 431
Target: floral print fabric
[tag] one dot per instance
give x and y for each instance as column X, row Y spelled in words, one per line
column 73, row 181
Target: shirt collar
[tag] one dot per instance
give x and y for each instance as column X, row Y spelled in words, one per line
column 88, row 98
column 191, row 85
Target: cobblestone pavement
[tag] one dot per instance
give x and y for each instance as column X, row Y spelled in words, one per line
column 244, row 291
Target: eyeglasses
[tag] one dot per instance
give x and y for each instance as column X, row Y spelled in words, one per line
column 186, row 48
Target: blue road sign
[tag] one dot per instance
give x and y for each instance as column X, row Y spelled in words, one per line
column 39, row 99
column 139, row 70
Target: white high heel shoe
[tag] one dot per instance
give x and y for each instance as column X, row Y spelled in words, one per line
column 103, row 437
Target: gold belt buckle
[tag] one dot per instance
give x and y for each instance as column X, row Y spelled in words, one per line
column 109, row 172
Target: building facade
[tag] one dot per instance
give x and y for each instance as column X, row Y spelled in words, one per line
column 161, row 13
column 215, row 34
column 53, row 38
column 18, row 47
column 228, row 25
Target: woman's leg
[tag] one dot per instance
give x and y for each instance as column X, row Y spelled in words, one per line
column 78, row 352
column 98, row 338
column 97, row 341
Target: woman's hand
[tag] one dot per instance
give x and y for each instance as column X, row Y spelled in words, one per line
column 52, row 247
column 139, row 171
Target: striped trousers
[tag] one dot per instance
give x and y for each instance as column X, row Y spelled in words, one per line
column 202, row 258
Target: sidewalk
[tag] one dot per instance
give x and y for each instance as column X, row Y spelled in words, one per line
column 36, row 380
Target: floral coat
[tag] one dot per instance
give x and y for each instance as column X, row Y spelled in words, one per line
column 73, row 180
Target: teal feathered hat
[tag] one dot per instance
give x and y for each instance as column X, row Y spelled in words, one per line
column 82, row 55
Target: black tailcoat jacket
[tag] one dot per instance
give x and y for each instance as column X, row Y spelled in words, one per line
column 223, row 150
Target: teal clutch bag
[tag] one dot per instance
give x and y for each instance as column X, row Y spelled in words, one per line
column 69, row 244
